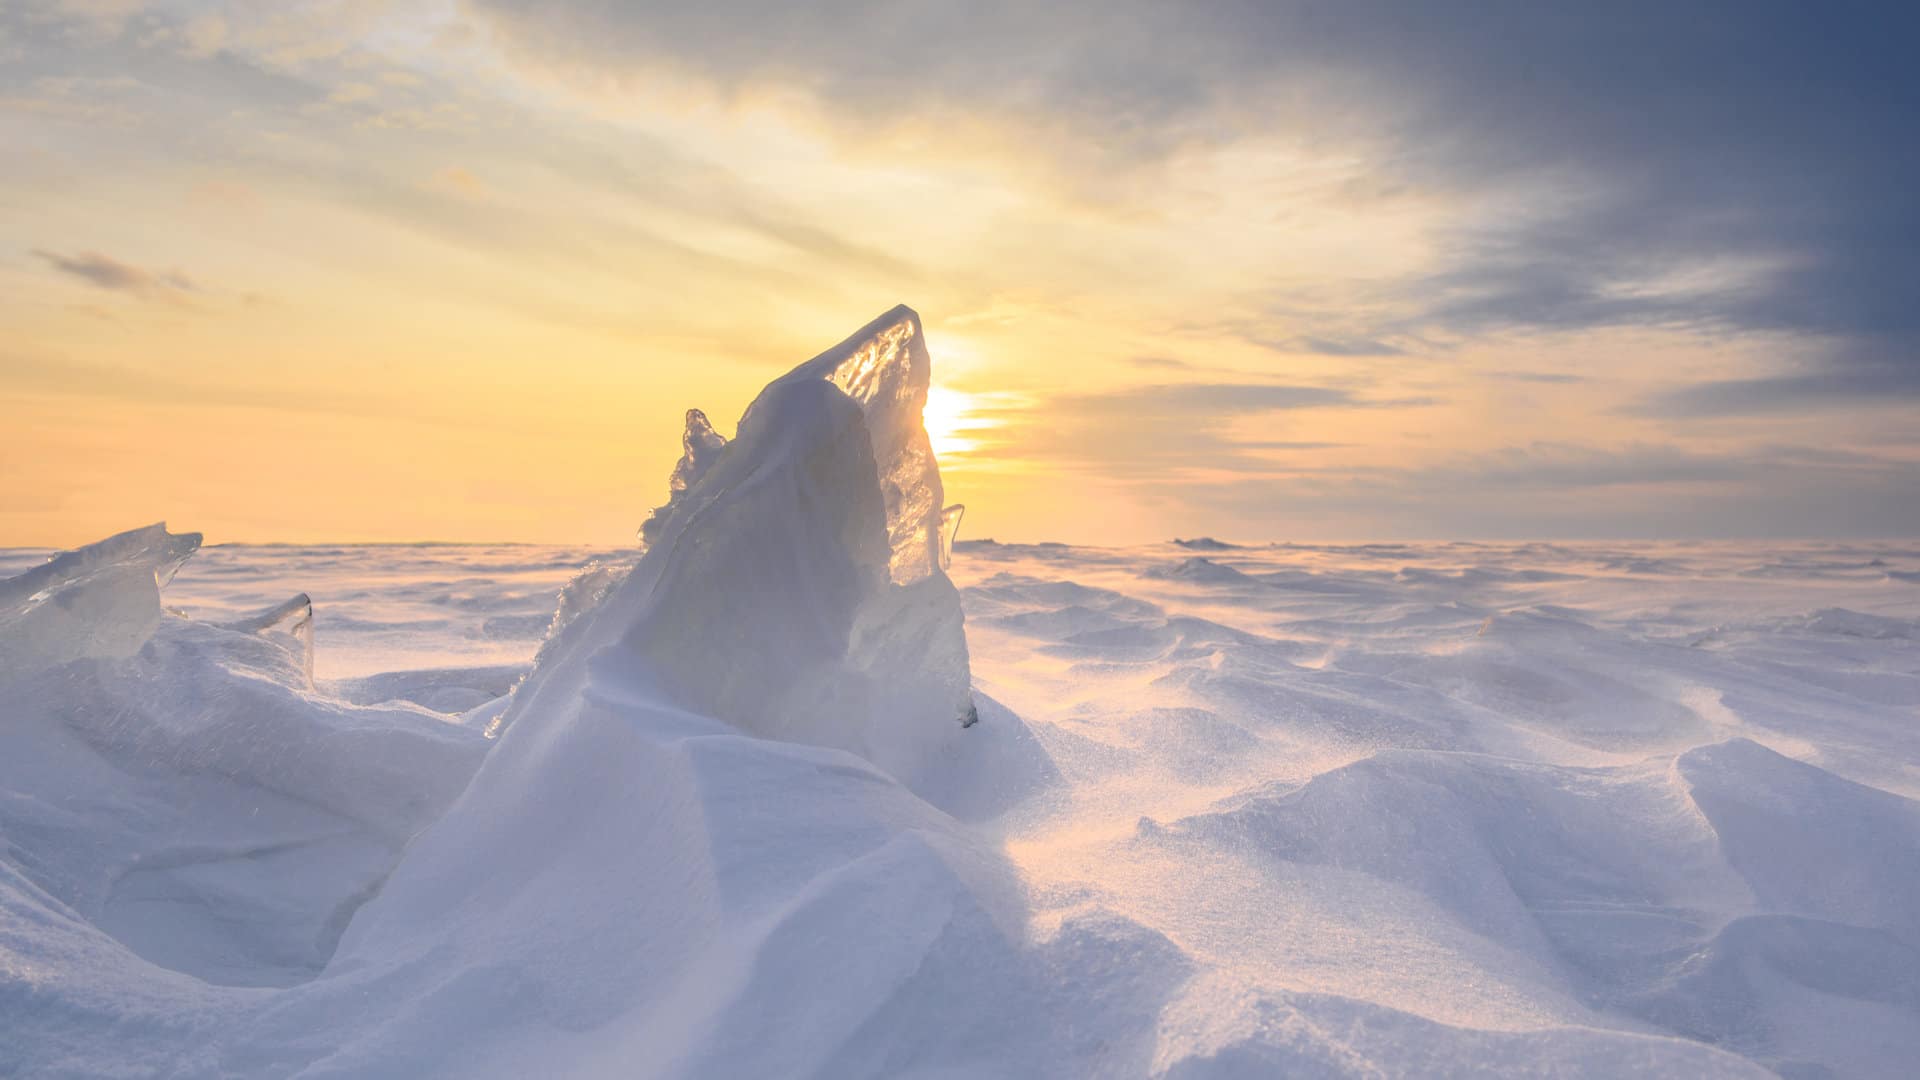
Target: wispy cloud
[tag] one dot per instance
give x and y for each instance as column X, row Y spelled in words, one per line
column 104, row 272
column 1142, row 435
column 1850, row 385
column 1549, row 490
column 1552, row 377
column 1355, row 346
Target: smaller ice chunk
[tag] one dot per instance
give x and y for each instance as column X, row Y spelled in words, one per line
column 584, row 592
column 950, row 532
column 101, row 600
column 288, row 624
column 700, row 445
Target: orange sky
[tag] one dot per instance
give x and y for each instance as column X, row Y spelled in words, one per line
column 398, row 271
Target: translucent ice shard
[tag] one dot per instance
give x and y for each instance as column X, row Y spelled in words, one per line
column 949, row 532
column 288, row 615
column 884, row 367
column 700, row 445
column 584, row 592
column 793, row 587
column 102, row 600
column 289, row 624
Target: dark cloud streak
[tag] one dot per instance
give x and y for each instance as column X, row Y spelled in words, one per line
column 111, row 274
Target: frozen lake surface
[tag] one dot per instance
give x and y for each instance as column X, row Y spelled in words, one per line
column 1343, row 809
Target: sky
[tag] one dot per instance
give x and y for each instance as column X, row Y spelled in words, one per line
column 454, row 269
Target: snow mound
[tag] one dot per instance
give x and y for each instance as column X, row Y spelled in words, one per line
column 174, row 784
column 1320, row 1035
column 1618, row 881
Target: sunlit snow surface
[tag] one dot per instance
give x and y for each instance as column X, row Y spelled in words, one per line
column 1398, row 809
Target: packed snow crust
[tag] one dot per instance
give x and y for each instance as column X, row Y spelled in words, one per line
column 1228, row 810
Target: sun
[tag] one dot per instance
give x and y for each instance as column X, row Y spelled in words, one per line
column 948, row 416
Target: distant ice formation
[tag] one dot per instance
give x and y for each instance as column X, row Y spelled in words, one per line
column 1205, row 543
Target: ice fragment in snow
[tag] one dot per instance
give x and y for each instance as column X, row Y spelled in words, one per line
column 176, row 787
column 950, row 532
column 102, row 600
column 288, row 615
column 290, row 624
column 700, row 445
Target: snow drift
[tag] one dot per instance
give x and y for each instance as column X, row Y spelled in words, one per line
column 173, row 791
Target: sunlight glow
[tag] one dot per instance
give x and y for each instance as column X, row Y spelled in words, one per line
column 949, row 416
